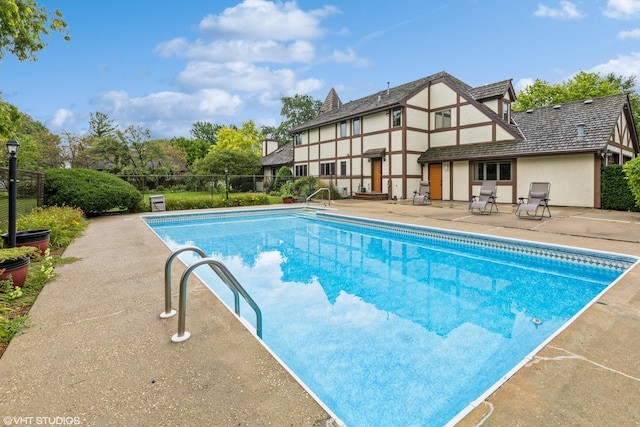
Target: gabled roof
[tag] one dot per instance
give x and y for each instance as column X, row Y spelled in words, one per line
column 547, row 130
column 493, row 90
column 381, row 100
column 281, row 157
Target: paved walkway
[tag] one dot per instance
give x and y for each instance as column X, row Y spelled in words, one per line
column 98, row 354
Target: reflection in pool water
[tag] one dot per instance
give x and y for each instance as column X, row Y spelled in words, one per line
column 386, row 327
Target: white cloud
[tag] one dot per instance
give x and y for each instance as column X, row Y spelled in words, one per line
column 622, row 9
column 522, row 84
column 239, row 50
column 348, row 56
column 633, row 34
column 61, row 118
column 625, row 65
column 567, row 10
column 261, row 19
column 239, row 76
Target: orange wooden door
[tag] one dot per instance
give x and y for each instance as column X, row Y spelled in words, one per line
column 376, row 175
column 435, row 178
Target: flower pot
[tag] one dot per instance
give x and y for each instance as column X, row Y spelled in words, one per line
column 287, row 200
column 36, row 238
column 16, row 269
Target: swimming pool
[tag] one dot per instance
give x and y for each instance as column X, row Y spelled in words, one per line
column 390, row 324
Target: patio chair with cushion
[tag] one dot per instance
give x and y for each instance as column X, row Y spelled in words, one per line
column 423, row 195
column 538, row 199
column 478, row 204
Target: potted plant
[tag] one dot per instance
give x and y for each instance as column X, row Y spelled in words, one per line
column 286, row 190
column 36, row 238
column 14, row 264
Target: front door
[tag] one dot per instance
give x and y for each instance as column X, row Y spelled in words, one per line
column 376, row 174
column 435, row 178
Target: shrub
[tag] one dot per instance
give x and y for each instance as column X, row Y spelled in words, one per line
column 616, row 193
column 206, row 202
column 66, row 223
column 91, row 191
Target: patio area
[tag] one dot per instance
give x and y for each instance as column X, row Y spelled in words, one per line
column 98, row 353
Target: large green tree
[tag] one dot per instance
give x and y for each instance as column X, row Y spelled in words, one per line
column 248, row 138
column 23, row 24
column 295, row 111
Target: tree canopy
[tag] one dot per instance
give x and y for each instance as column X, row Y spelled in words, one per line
column 22, row 25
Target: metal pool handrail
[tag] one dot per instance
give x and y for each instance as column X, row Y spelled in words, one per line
column 319, row 190
column 168, row 311
column 232, row 283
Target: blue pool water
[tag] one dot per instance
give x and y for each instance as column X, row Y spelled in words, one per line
column 388, row 324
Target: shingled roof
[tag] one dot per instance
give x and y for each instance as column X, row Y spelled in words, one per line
column 281, row 157
column 546, row 130
column 381, row 100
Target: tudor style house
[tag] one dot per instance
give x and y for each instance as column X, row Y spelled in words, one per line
column 441, row 130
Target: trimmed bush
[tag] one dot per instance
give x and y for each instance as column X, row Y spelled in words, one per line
column 91, row 191
column 616, row 194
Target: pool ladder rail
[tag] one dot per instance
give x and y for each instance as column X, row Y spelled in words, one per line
column 318, row 191
column 223, row 273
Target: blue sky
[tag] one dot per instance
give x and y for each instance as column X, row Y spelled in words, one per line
column 165, row 65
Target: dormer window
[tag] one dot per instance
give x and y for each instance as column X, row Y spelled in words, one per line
column 506, row 111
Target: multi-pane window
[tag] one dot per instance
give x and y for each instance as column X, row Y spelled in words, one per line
column 442, row 119
column 343, row 168
column 356, row 126
column 396, row 117
column 327, row 169
column 301, row 170
column 492, row 171
column 298, row 138
column 343, row 129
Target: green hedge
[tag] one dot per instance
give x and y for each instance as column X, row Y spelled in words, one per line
column 91, row 191
column 207, row 202
column 616, row 194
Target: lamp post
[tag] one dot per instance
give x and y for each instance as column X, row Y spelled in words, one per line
column 226, row 181
column 12, row 148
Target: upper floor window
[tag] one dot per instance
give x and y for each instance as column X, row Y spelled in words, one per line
column 396, row 117
column 343, row 129
column 343, row 168
column 442, row 119
column 506, row 111
column 492, row 171
column 298, row 137
column 356, row 126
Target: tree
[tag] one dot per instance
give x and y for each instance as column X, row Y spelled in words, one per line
column 9, row 119
column 22, row 25
column 205, row 131
column 248, row 138
column 101, row 125
column 79, row 153
column 237, row 162
column 295, row 111
column 191, row 149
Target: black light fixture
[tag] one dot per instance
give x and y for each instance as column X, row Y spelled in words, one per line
column 12, row 148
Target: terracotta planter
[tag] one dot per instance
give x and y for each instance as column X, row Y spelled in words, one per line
column 287, row 200
column 16, row 269
column 36, row 238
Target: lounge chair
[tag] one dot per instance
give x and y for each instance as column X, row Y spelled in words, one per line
column 538, row 198
column 423, row 195
column 487, row 197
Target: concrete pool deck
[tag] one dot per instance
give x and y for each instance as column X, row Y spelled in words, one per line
column 98, row 354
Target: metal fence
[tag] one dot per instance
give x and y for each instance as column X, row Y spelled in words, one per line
column 30, row 192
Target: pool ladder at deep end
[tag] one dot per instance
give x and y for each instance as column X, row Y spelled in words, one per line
column 223, row 273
